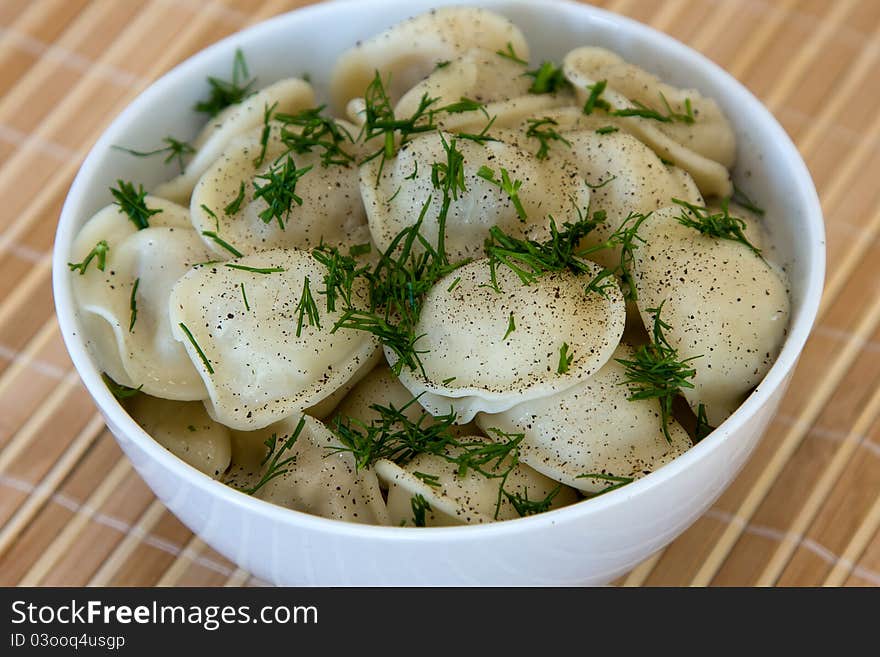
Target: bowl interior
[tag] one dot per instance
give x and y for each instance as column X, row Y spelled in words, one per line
column 308, row 41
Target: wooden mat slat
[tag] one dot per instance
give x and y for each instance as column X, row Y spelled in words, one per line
column 806, row 509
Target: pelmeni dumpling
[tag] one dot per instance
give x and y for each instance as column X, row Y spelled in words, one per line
column 397, row 200
column 287, row 96
column 223, row 200
column 406, row 53
column 467, row 500
column 474, row 363
column 185, row 430
column 592, row 428
column 238, row 321
column 723, row 303
column 711, row 176
column 319, row 480
column 131, row 297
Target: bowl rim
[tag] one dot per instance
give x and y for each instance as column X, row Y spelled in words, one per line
column 116, row 415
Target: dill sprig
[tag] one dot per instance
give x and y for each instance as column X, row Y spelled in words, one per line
column 638, row 109
column 244, row 298
column 431, row 479
column 510, row 53
column 175, row 149
column 656, row 372
column 595, row 100
column 120, row 391
column 279, row 191
column 196, row 346
column 307, row 308
column 254, row 270
column 265, row 133
column 607, row 130
column 511, row 326
column 222, row 243
column 235, row 205
column 342, row 271
column 544, row 135
column 548, row 78
column 530, row 259
column 132, row 304
column 703, row 428
column 224, row 93
column 316, row 132
column 565, row 358
column 721, row 225
column 511, row 188
column 98, row 251
column 213, row 216
column 615, row 481
column 277, row 466
column 526, row 507
column 419, row 506
column 132, row 202
column 740, row 198
column 601, row 184
column 627, row 238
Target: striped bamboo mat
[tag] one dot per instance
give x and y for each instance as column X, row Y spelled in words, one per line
column 806, row 510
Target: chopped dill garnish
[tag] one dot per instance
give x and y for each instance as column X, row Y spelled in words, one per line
column 565, row 358
column 316, row 132
column 442, row 64
column 548, row 79
column 244, row 298
column 529, row 259
column 235, row 205
column 655, row 372
column 356, row 250
column 342, row 270
column 721, row 225
column 627, row 238
column 510, row 53
column 419, row 506
column 607, row 130
column 595, row 100
column 616, row 482
column 224, row 93
column 213, row 216
column 132, row 203
column 739, row 197
column 703, row 427
column 264, row 135
column 526, row 507
column 132, row 304
column 254, row 270
column 545, row 135
column 196, row 346
column 175, row 148
column 482, row 136
column 279, row 192
column 448, row 380
column 601, row 184
column 278, row 466
column 222, row 243
column 431, row 479
column 642, row 111
column 454, row 284
column 688, row 116
column 98, row 251
column 307, row 308
column 508, row 187
column 414, row 173
column 120, row 391
column 511, row 326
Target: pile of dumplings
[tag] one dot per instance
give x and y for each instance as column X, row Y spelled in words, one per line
column 218, row 371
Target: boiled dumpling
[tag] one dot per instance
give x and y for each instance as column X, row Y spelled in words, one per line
column 185, row 430
column 723, row 303
column 331, row 210
column 153, row 259
column 592, row 428
column 473, row 362
column 406, row 53
column 287, row 96
column 711, row 175
column 395, row 202
column 469, row 499
column 319, row 480
column 239, row 320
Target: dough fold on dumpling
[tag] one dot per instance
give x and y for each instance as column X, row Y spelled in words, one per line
column 185, row 430
column 592, row 428
column 704, row 148
column 407, row 52
column 331, row 211
column 405, row 184
column 245, row 321
column 474, row 363
column 722, row 302
column 287, row 96
column 463, row 500
column 320, row 480
column 135, row 345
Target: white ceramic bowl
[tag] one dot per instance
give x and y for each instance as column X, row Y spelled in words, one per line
column 588, row 543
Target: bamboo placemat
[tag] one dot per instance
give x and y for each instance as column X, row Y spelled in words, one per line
column 806, row 509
